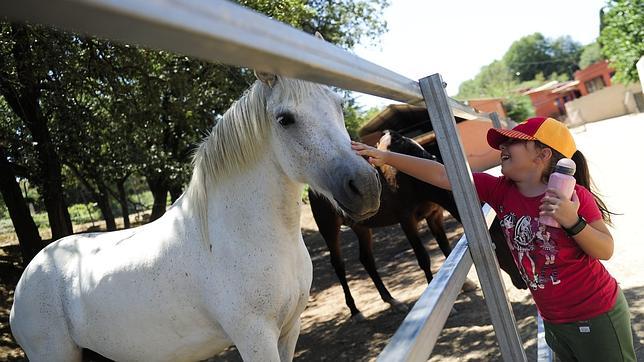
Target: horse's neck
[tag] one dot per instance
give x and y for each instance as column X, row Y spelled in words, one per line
column 261, row 199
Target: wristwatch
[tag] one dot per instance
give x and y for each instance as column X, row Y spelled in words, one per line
column 577, row 228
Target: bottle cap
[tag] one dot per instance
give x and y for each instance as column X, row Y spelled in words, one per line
column 566, row 166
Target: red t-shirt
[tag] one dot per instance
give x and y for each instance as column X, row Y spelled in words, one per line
column 566, row 283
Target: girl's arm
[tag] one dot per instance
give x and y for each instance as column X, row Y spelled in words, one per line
column 595, row 239
column 421, row 168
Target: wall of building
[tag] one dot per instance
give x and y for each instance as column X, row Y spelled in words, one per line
column 474, row 138
column 613, row 101
column 599, row 69
column 545, row 103
column 488, row 105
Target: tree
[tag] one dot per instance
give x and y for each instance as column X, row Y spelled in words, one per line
column 106, row 111
column 622, row 37
column 341, row 22
column 518, row 108
column 535, row 53
column 355, row 117
column 27, row 59
column 591, row 54
column 564, row 55
column 493, row 80
column 347, row 22
column 526, row 56
column 24, row 225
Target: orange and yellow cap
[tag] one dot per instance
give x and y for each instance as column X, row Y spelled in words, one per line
column 546, row 130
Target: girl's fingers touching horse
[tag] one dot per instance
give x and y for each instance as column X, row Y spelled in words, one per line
column 376, row 157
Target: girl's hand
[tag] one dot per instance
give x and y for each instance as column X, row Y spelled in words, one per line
column 556, row 205
column 376, row 156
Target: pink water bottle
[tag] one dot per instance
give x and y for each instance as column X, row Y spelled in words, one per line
column 561, row 179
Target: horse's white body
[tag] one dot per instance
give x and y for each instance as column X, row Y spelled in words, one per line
column 174, row 291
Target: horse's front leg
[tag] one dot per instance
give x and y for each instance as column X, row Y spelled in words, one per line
column 287, row 341
column 409, row 224
column 256, row 339
column 366, row 258
column 435, row 223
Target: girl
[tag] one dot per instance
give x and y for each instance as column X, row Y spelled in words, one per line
column 585, row 314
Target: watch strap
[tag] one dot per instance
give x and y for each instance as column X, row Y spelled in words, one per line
column 577, row 228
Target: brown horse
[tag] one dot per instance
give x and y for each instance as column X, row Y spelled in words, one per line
column 406, row 201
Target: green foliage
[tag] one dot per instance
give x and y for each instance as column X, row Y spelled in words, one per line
column 341, row 22
column 591, row 54
column 535, row 53
column 518, row 108
column 4, row 212
column 622, row 37
column 355, row 117
column 84, row 213
column 305, row 194
column 493, row 80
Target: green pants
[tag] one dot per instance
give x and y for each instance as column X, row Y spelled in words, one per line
column 604, row 338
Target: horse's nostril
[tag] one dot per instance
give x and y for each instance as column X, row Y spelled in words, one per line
column 353, row 188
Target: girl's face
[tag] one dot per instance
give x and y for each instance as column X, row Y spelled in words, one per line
column 520, row 160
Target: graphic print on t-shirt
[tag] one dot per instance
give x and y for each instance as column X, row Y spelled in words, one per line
column 533, row 249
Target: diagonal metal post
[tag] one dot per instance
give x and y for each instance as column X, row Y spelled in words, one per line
column 496, row 122
column 467, row 201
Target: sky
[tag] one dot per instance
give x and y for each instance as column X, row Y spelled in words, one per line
column 456, row 37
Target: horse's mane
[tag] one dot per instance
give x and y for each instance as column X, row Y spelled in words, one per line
column 404, row 145
column 408, row 146
column 239, row 139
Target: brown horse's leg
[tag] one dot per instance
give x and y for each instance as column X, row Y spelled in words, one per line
column 366, row 258
column 410, row 227
column 329, row 223
column 435, row 223
column 332, row 238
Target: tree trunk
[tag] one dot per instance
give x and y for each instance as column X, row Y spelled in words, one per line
column 24, row 225
column 103, row 201
column 24, row 100
column 175, row 192
column 120, row 185
column 159, row 190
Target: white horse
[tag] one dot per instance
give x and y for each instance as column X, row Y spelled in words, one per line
column 225, row 265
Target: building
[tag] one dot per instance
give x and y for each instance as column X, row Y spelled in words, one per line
column 594, row 77
column 549, row 99
column 488, row 105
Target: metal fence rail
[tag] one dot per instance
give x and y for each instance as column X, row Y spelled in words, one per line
column 417, row 335
column 224, row 32
column 467, row 201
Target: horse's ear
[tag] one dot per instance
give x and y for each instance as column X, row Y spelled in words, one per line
column 267, row 78
column 318, row 35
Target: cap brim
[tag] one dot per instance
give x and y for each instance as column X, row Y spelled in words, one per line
column 496, row 137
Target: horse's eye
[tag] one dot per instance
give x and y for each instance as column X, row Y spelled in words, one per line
column 285, row 119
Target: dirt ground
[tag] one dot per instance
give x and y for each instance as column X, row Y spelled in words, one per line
column 329, row 334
